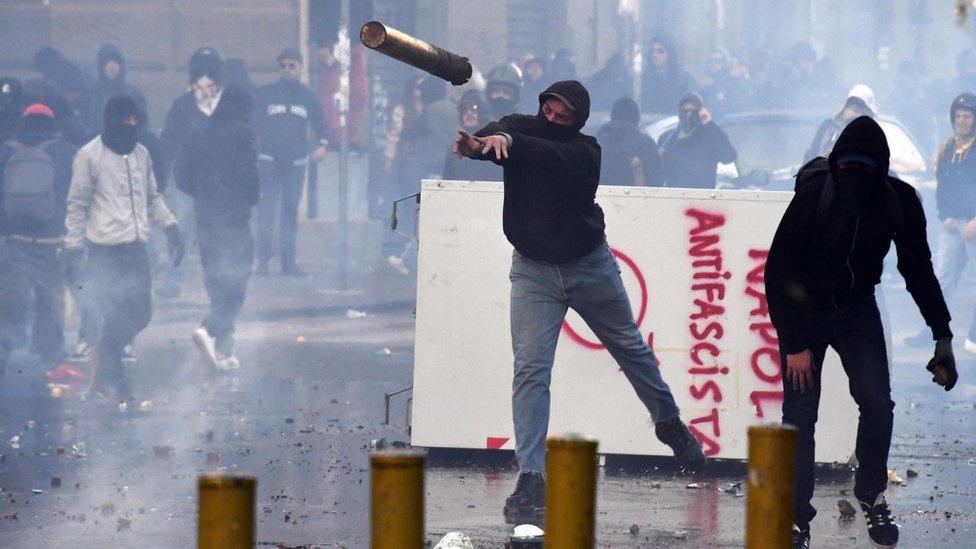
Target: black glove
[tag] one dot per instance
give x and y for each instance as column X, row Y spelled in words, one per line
column 174, row 244
column 943, row 365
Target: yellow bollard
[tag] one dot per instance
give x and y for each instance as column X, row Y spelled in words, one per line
column 570, row 492
column 770, row 486
column 397, row 500
column 226, row 512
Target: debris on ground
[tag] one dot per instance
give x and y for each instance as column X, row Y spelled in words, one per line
column 301, row 340
column 379, row 444
column 108, row 508
column 911, row 473
column 454, row 540
column 893, row 477
column 353, row 313
column 55, row 482
column 634, row 529
column 847, row 511
column 699, row 485
column 146, row 406
column 15, row 442
column 122, row 524
column 37, row 491
column 212, row 458
column 162, row 451
column 385, row 351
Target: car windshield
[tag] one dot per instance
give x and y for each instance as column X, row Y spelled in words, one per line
column 774, row 145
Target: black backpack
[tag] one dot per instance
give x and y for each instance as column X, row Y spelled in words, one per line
column 29, row 197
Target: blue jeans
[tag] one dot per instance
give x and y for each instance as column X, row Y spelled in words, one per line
column 857, row 336
column 541, row 295
column 951, row 258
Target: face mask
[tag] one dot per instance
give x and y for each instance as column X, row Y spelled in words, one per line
column 859, row 188
column 689, row 120
column 551, row 130
column 117, row 135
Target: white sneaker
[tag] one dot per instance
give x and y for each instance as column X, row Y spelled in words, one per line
column 205, row 344
column 225, row 362
column 970, row 346
column 398, row 265
column 129, row 354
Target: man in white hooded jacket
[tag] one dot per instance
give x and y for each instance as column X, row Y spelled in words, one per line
column 112, row 199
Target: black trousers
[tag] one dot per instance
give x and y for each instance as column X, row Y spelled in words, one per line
column 282, row 185
column 120, row 278
column 226, row 252
column 858, row 337
column 27, row 268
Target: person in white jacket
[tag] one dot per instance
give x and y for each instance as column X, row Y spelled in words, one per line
column 111, row 202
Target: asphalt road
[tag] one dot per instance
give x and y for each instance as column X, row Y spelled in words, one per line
column 308, row 400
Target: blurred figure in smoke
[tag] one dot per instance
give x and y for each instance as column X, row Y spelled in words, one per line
column 824, row 264
column 724, row 90
column 67, row 80
column 330, row 75
column 11, row 107
column 535, row 80
column 406, row 109
column 562, row 260
column 860, row 102
column 218, row 167
column 504, row 89
column 563, row 66
column 188, row 112
column 663, row 83
column 611, row 82
column 955, row 195
column 234, row 72
column 112, row 200
column 473, row 115
column 35, row 172
column 287, row 111
column 692, row 151
column 112, row 72
column 800, row 81
column 424, row 141
column 629, row 156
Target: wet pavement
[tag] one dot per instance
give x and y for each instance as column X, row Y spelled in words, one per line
column 308, row 400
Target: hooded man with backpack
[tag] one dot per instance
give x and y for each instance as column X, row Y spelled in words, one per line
column 35, row 172
column 562, row 260
column 112, row 200
column 824, row 263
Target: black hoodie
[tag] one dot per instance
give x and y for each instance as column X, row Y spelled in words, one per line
column 106, row 88
column 218, row 164
column 551, row 175
column 827, row 255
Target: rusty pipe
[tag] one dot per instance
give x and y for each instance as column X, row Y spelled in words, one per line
column 415, row 52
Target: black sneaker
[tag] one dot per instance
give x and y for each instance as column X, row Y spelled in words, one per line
column 527, row 504
column 687, row 449
column 801, row 537
column 881, row 528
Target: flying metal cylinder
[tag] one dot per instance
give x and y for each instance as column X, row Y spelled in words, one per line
column 415, row 52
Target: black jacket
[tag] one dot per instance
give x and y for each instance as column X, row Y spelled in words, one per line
column 955, row 193
column 285, row 111
column 827, row 257
column 621, row 142
column 183, row 118
column 62, row 154
column 691, row 162
column 218, row 165
column 551, row 176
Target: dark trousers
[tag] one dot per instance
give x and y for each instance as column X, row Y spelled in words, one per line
column 121, row 281
column 857, row 336
column 90, row 325
column 227, row 252
column 281, row 191
column 27, row 268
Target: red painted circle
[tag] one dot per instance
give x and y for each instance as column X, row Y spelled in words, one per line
column 640, row 315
